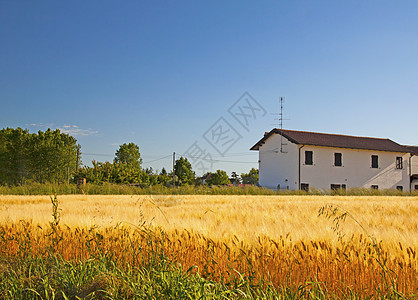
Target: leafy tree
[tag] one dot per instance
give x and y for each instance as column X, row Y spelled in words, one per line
column 153, row 179
column 129, row 154
column 251, row 177
column 149, row 171
column 78, row 156
column 220, row 177
column 163, row 171
column 43, row 156
column 183, row 171
column 14, row 164
column 113, row 173
column 235, row 179
column 51, row 153
column 164, row 177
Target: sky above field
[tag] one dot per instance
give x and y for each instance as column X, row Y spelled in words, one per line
column 204, row 78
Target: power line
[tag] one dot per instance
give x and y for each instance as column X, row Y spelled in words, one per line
column 193, row 157
column 96, row 154
column 161, row 158
column 145, row 155
column 219, row 160
column 169, row 155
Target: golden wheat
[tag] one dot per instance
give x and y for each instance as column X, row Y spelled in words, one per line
column 348, row 265
column 275, row 239
column 391, row 219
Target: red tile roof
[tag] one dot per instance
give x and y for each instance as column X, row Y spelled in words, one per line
column 334, row 140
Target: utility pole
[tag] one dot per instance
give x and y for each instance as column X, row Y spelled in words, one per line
column 174, row 168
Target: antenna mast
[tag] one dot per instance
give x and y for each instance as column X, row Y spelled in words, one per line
column 281, row 126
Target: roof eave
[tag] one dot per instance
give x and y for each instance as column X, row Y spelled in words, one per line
column 261, row 142
column 356, row 148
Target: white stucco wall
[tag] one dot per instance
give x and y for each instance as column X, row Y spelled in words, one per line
column 414, row 171
column 356, row 170
column 276, row 167
column 414, row 164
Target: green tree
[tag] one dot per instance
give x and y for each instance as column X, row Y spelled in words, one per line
column 149, row 171
column 183, row 171
column 129, row 154
column 14, row 163
column 78, row 156
column 163, row 177
column 220, row 177
column 51, row 153
column 235, row 179
column 113, row 173
column 251, row 177
column 43, row 156
column 163, row 171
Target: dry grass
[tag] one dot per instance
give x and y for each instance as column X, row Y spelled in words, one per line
column 390, row 219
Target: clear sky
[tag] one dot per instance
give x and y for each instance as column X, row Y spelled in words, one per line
column 170, row 75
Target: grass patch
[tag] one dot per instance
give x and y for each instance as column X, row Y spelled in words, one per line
column 121, row 189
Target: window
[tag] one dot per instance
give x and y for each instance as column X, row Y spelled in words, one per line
column 416, row 187
column 399, row 188
column 338, row 159
column 335, row 187
column 375, row 161
column 399, row 162
column 304, row 187
column 308, row 157
column 375, row 187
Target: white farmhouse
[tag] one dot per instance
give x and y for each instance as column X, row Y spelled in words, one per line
column 290, row 159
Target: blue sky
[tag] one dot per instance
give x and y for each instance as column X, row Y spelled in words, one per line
column 162, row 73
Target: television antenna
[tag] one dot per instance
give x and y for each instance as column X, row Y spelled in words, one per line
column 281, row 119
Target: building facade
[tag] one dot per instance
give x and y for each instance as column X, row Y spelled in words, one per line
column 414, row 167
column 294, row 160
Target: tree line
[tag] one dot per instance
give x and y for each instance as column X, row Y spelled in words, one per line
column 126, row 169
column 53, row 156
column 49, row 156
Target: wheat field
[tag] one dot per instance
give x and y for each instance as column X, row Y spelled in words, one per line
column 366, row 245
column 390, row 219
